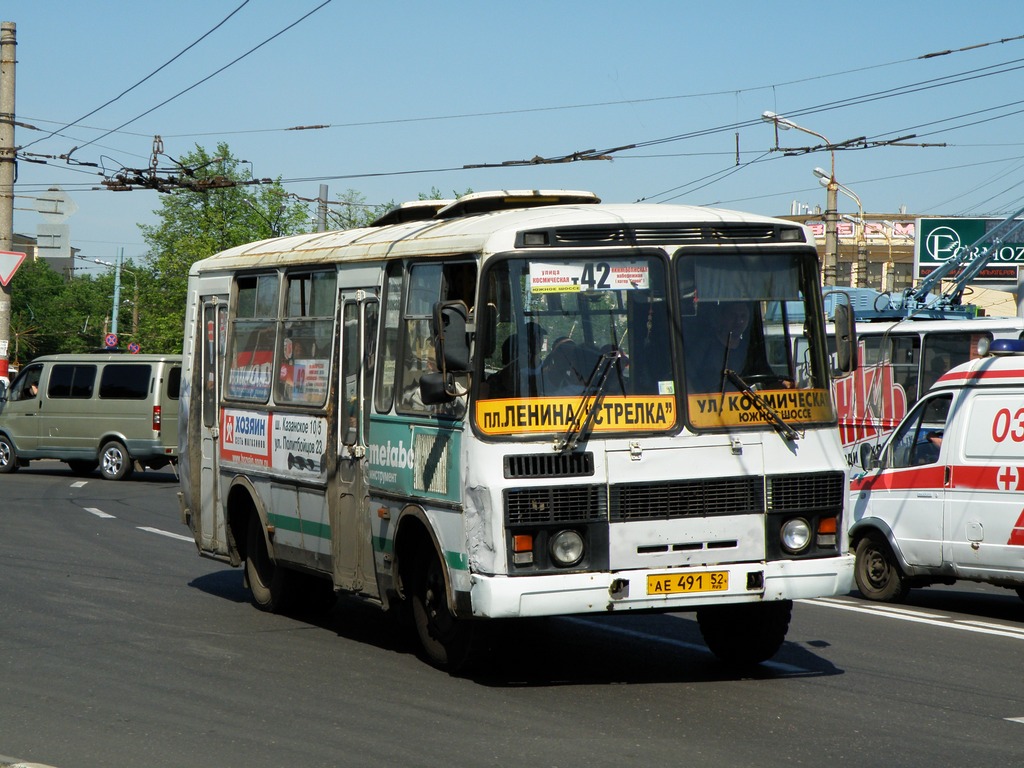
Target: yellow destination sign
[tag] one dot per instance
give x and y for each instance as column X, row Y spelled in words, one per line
column 736, row 409
column 556, row 414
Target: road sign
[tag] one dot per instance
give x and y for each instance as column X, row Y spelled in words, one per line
column 111, row 340
column 9, row 263
column 134, row 347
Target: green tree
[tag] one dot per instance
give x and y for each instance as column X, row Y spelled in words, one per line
column 38, row 313
column 355, row 212
column 220, row 210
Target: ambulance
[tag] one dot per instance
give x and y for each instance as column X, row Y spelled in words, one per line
column 942, row 500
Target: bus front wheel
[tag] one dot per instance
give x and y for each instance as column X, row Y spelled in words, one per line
column 747, row 633
column 267, row 580
column 444, row 639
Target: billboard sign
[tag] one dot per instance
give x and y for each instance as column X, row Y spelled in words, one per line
column 939, row 240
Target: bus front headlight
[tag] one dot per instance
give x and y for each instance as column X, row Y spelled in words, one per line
column 566, row 548
column 795, row 535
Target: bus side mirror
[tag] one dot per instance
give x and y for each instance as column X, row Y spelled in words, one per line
column 846, row 334
column 451, row 344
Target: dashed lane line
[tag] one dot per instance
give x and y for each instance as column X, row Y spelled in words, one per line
column 168, row 534
column 98, row 513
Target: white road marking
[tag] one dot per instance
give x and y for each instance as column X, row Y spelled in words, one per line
column 168, row 534
column 935, row 620
column 98, row 513
column 1014, row 719
column 79, row 484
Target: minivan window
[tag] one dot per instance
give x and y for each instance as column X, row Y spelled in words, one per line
column 71, row 381
column 125, row 382
column 174, row 382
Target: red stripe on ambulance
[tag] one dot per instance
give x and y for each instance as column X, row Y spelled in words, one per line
column 1017, row 534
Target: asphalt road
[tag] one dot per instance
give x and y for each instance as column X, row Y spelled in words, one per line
column 120, row 646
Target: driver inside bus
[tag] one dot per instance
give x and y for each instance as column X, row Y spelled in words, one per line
column 719, row 339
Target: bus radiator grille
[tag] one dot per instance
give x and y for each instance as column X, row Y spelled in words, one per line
column 566, row 504
column 687, row 498
column 806, row 493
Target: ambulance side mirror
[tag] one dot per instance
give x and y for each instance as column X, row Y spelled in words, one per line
column 868, row 456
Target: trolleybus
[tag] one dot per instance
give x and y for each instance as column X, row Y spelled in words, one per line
column 520, row 404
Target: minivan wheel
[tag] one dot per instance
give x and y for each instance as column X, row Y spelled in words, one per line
column 8, row 456
column 115, row 463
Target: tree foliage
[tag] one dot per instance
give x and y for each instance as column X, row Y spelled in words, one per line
column 50, row 315
column 196, row 224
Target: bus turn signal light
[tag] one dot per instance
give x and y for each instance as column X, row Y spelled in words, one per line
column 522, row 549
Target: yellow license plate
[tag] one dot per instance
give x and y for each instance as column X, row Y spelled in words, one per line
column 676, row 583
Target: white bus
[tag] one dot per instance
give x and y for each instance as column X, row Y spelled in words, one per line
column 519, row 404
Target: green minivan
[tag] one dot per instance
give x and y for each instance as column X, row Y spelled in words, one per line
column 113, row 411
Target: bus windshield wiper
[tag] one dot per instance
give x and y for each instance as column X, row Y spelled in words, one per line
column 766, row 410
column 593, row 391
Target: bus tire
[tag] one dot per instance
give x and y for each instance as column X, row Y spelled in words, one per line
column 115, row 463
column 445, row 641
column 8, row 456
column 268, row 582
column 745, row 634
column 876, row 571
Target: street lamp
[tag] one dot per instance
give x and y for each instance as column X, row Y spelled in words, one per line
column 831, row 237
column 118, row 268
column 862, row 253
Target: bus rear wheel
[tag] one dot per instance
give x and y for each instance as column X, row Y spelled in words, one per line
column 268, row 582
column 745, row 634
column 445, row 641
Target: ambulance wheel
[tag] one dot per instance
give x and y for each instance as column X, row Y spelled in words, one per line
column 8, row 456
column 877, row 573
column 268, row 582
column 745, row 634
column 445, row 641
column 115, row 463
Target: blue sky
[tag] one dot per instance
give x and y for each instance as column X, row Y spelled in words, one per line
column 414, row 91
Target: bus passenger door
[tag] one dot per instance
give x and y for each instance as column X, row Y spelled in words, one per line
column 213, row 330
column 351, row 538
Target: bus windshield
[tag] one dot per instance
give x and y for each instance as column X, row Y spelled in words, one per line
column 740, row 369
column 564, row 335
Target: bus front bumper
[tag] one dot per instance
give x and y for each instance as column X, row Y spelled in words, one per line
column 549, row 595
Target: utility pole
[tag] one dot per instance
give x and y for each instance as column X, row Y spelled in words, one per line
column 321, row 213
column 8, row 42
column 831, row 234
